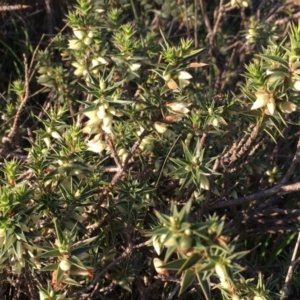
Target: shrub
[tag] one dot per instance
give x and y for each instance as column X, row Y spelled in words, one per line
column 148, row 171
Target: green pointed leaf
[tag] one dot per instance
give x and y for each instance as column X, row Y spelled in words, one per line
column 188, row 155
column 59, row 275
column 174, row 209
column 20, row 234
column 18, row 249
column 80, row 250
column 205, row 285
column 159, row 231
column 59, row 233
column 194, row 53
column 84, row 242
column 190, row 262
column 175, row 264
column 71, row 281
column 182, row 214
column 276, row 59
column 162, row 217
column 50, row 253
column 50, row 267
column 169, row 252
column 188, row 278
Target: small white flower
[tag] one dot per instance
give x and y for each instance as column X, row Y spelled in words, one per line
column 87, row 40
column 287, row 107
column 160, row 127
column 261, row 100
column 297, row 85
column 80, row 34
column 204, row 183
column 96, row 145
column 102, row 60
column 178, row 107
column 184, row 75
column 271, row 105
column 107, row 129
column 134, row 67
column 107, row 120
column 75, row 45
column 101, row 113
column 65, row 265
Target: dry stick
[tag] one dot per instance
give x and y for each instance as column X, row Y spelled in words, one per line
column 293, row 165
column 206, row 20
column 258, row 10
column 114, row 153
column 294, row 187
column 120, row 172
column 239, row 148
column 274, row 11
column 218, row 19
column 195, row 24
column 295, row 16
column 24, row 99
column 277, row 189
column 126, row 253
column 13, row 7
column 186, row 19
column 286, row 288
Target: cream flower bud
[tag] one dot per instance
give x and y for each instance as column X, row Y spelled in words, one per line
column 172, row 118
column 184, row 75
column 271, row 105
column 204, row 183
column 101, row 113
column 91, row 34
column 47, row 141
column 80, row 34
column 134, row 67
column 87, row 41
column 215, row 122
column 157, row 245
column 102, row 60
column 287, row 107
column 157, row 265
column 65, row 265
column 75, row 45
column 107, row 120
column 55, row 135
column 96, row 146
column 95, row 63
column 261, row 100
column 297, row 85
column 220, row 271
column 178, row 107
column 79, row 72
column 160, row 127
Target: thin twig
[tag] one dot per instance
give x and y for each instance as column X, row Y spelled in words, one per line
column 120, row 172
column 13, row 131
column 293, row 165
column 286, row 288
column 267, row 193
